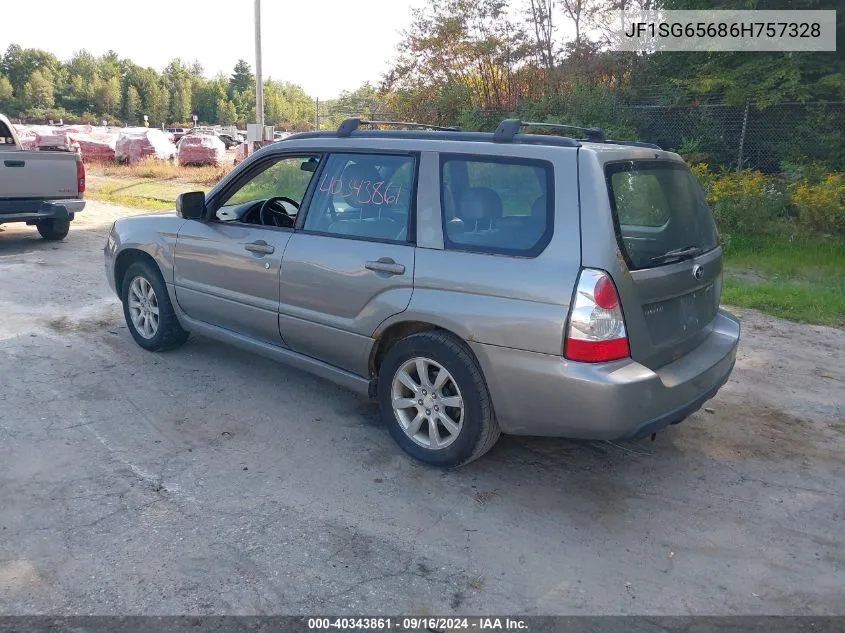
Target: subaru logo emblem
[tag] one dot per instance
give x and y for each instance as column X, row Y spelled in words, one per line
column 697, row 271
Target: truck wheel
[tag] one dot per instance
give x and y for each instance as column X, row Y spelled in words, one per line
column 53, row 229
column 434, row 400
column 148, row 311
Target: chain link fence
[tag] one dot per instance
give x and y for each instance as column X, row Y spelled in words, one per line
column 767, row 139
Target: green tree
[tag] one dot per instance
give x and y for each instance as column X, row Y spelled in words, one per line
column 85, row 83
column 19, row 63
column 287, row 106
column 38, row 91
column 180, row 100
column 244, row 106
column 6, row 92
column 107, row 97
column 158, row 104
column 764, row 78
column 132, row 105
column 242, row 79
column 472, row 43
column 206, row 95
column 177, row 82
column 226, row 113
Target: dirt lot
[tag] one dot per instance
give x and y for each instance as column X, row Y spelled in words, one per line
column 207, row 480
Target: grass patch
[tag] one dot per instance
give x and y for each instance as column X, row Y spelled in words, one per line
column 800, row 278
column 140, row 193
column 151, row 185
column 160, row 170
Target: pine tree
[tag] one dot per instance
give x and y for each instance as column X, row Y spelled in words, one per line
column 242, row 79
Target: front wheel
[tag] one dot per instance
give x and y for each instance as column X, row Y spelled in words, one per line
column 54, row 229
column 434, row 400
column 148, row 311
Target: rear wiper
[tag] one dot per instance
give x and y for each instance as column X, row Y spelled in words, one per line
column 679, row 254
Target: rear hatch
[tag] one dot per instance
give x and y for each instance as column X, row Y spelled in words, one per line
column 667, row 237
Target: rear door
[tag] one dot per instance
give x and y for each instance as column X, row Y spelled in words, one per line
column 669, row 279
column 350, row 265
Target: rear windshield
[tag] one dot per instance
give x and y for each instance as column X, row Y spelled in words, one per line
column 658, row 208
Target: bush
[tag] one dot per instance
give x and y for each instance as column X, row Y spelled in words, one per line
column 743, row 201
column 817, row 137
column 801, row 170
column 821, row 205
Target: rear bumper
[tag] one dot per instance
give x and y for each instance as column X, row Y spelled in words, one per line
column 32, row 211
column 541, row 394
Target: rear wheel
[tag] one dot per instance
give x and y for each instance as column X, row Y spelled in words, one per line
column 434, row 400
column 148, row 311
column 53, row 229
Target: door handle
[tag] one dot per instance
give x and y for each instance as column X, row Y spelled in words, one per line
column 14, row 163
column 260, row 248
column 385, row 265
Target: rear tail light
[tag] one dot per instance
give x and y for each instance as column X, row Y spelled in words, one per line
column 80, row 176
column 596, row 331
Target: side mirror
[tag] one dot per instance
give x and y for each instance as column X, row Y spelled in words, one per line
column 309, row 165
column 191, row 206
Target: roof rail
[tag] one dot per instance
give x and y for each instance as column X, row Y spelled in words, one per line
column 350, row 125
column 509, row 128
column 634, row 143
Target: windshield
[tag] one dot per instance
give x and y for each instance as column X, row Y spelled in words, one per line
column 660, row 212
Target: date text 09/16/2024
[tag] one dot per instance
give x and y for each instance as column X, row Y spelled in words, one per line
column 417, row 624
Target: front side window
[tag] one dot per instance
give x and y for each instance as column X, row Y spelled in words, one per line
column 366, row 196
column 286, row 178
column 496, row 205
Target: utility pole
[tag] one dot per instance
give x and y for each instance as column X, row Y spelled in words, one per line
column 317, row 116
column 259, row 80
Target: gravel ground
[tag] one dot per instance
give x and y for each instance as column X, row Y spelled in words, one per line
column 207, row 480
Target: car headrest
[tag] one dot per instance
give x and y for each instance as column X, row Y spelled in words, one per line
column 480, row 203
column 358, row 174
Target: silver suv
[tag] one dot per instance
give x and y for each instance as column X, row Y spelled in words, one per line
column 474, row 283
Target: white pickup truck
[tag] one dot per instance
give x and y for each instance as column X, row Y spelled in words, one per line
column 44, row 189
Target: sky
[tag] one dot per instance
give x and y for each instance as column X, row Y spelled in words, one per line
column 325, row 46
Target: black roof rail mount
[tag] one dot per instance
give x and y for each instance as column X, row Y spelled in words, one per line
column 509, row 128
column 350, row 125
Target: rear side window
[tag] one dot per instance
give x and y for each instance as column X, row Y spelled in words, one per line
column 658, row 208
column 496, row 205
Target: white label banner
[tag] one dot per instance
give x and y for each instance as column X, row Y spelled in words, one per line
column 710, row 31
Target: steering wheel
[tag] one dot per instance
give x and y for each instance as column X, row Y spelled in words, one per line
column 277, row 215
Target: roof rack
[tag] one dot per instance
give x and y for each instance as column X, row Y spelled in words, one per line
column 350, row 125
column 509, row 128
column 507, row 132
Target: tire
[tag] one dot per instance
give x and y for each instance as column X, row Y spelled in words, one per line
column 167, row 333
column 53, row 230
column 477, row 429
